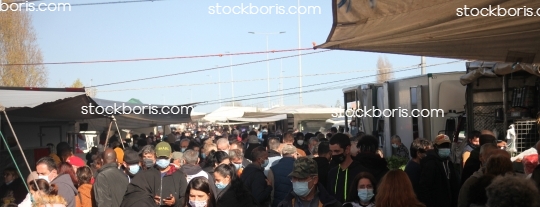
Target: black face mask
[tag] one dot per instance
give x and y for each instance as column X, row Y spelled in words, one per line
column 338, row 158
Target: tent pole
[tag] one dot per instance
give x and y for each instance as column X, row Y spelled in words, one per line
column 119, row 133
column 108, row 133
column 17, row 140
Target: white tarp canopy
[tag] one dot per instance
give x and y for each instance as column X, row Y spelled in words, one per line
column 266, row 119
column 308, row 112
column 31, row 97
column 437, row 28
column 479, row 69
column 226, row 112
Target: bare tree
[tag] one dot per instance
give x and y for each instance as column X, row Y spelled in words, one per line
column 384, row 72
column 18, row 46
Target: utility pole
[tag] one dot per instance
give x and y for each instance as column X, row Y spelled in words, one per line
column 281, row 82
column 232, row 78
column 219, row 84
column 423, row 64
column 267, row 64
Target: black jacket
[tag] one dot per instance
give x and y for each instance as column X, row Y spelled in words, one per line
column 250, row 148
column 438, row 186
column 18, row 189
column 323, row 166
column 110, row 185
column 375, row 164
column 235, row 195
column 472, row 165
column 149, row 183
column 344, row 180
column 324, row 198
column 255, row 181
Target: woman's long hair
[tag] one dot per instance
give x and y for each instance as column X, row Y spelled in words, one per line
column 396, row 190
column 49, row 193
column 353, row 191
column 66, row 168
column 236, row 184
column 200, row 184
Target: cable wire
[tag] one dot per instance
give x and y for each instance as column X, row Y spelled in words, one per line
column 206, row 69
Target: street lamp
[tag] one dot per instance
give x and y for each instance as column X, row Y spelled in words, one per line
column 232, row 78
column 267, row 62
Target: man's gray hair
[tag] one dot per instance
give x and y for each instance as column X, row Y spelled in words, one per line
column 396, row 137
column 191, row 157
column 288, row 150
column 274, row 143
column 222, row 141
column 185, row 140
column 512, row 191
column 148, row 149
column 236, row 154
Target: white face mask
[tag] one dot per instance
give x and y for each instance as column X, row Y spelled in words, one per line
column 300, row 142
column 197, row 203
column 44, row 177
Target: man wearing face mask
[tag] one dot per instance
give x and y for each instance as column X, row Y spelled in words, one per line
column 438, row 185
column 148, row 155
column 307, row 191
column 341, row 176
column 398, row 149
column 164, row 182
column 254, row 178
column 47, row 170
column 131, row 164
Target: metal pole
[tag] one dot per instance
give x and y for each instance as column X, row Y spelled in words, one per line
column 268, row 74
column 299, row 57
column 423, row 64
column 219, row 80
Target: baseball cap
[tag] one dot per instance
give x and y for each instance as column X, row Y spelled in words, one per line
column 441, row 139
column 163, row 149
column 304, row 167
column 177, row 155
column 131, row 157
column 75, row 161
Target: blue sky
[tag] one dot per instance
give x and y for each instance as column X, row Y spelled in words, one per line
column 185, row 28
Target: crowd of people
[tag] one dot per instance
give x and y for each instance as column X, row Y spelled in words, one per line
column 228, row 168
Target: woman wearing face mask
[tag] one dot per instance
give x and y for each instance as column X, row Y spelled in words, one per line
column 230, row 189
column 365, row 191
column 199, row 194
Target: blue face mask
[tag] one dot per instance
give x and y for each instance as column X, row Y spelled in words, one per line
column 301, row 188
column 238, row 166
column 444, row 152
column 163, row 163
column 220, row 185
column 183, row 149
column 134, row 169
column 203, row 156
column 365, row 195
column 265, row 164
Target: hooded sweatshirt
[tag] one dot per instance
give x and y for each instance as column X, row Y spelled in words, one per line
column 66, row 189
column 340, row 180
column 193, row 171
column 375, row 164
column 464, row 191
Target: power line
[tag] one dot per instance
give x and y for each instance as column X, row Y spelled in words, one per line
column 207, row 69
column 236, row 81
column 326, row 88
column 153, row 59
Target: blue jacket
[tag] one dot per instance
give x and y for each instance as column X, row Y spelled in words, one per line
column 282, row 183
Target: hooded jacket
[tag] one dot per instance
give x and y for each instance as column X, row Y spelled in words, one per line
column 340, row 181
column 84, row 198
column 66, row 189
column 110, row 185
column 255, row 181
column 193, row 171
column 375, row 164
column 149, row 183
column 438, row 185
column 325, row 199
